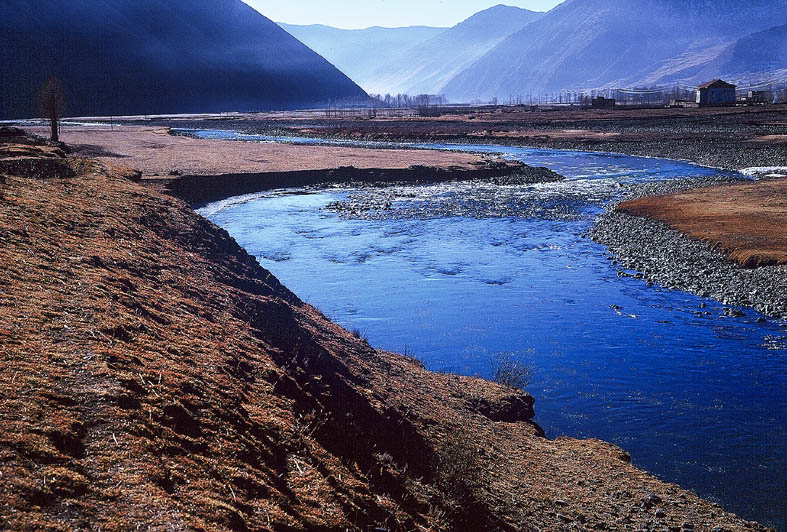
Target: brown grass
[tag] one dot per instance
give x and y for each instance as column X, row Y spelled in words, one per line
column 155, row 152
column 745, row 221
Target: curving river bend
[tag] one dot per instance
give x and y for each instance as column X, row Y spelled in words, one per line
column 453, row 273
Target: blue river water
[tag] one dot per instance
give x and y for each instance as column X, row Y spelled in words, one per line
column 454, row 273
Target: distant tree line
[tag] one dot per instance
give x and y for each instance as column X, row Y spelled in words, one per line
column 407, row 101
column 388, row 105
column 405, row 105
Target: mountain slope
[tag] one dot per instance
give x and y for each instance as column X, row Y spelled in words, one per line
column 358, row 53
column 761, row 52
column 426, row 68
column 147, row 56
column 596, row 43
column 756, row 59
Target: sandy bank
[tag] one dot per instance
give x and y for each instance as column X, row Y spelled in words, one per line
column 155, row 152
column 201, row 171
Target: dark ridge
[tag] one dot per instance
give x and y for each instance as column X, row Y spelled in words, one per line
column 116, row 57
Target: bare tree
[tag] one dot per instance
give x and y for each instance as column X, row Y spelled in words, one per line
column 52, row 103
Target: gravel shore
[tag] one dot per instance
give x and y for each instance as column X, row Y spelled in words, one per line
column 729, row 155
column 661, row 255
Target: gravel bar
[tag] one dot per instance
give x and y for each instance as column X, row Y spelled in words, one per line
column 663, row 256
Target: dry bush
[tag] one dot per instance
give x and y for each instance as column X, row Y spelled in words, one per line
column 356, row 332
column 507, row 368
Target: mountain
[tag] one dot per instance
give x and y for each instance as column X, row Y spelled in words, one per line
column 148, row 56
column 427, row 67
column 763, row 52
column 749, row 61
column 584, row 44
column 358, row 53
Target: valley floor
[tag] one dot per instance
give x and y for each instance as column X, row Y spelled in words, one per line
column 731, row 138
column 155, row 373
column 751, row 231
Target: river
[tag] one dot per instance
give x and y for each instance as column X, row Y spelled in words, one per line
column 455, row 272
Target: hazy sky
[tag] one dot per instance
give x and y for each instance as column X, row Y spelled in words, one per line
column 391, row 13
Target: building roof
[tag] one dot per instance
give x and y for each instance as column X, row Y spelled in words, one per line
column 717, row 84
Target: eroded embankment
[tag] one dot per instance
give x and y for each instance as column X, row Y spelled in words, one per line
column 155, row 375
column 196, row 189
column 724, row 241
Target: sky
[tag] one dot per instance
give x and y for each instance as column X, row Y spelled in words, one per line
column 355, row 14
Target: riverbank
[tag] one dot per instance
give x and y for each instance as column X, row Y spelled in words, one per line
column 200, row 170
column 745, row 221
column 155, row 373
column 204, row 189
column 720, row 240
column 731, row 138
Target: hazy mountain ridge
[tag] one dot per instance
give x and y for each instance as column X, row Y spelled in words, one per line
column 764, row 51
column 146, row 57
column 428, row 67
column 759, row 57
column 359, row 53
column 414, row 59
column 584, row 44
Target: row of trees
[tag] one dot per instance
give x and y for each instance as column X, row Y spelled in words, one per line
column 389, row 105
column 406, row 101
column 641, row 95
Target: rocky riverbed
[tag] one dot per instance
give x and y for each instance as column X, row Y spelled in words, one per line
column 651, row 250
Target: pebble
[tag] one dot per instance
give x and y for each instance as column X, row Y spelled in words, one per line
column 667, row 258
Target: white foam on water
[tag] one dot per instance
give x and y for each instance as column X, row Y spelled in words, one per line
column 768, row 171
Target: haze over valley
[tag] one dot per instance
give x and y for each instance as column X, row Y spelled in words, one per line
column 580, row 45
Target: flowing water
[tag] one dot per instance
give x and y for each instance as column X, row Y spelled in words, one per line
column 456, row 272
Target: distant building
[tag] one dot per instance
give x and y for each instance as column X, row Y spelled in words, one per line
column 759, row 97
column 603, row 103
column 716, row 92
